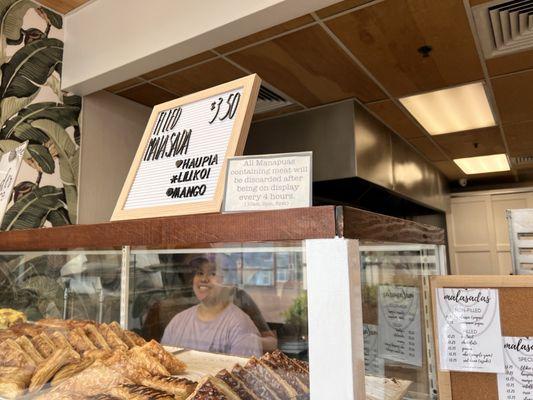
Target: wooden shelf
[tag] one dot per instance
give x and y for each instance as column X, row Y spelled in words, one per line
column 189, row 231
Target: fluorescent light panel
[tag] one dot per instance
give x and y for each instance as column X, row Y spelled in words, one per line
column 483, row 164
column 451, row 110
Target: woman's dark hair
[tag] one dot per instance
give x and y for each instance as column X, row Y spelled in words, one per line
column 197, row 262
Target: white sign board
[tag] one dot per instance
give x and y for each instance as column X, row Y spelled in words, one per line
column 9, row 169
column 374, row 364
column 400, row 334
column 269, row 182
column 469, row 330
column 517, row 381
column 179, row 167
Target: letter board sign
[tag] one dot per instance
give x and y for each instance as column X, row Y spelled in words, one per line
column 180, row 165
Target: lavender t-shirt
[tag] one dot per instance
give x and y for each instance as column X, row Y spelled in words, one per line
column 232, row 332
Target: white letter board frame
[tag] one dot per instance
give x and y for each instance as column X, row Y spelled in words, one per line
column 243, row 118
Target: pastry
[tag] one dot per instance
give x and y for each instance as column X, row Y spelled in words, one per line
column 98, row 378
column 98, row 354
column 211, row 388
column 60, row 341
column 181, row 388
column 139, row 392
column 279, row 359
column 79, row 340
column 171, row 363
column 115, row 327
column 13, row 381
column 146, row 360
column 236, row 385
column 10, row 317
column 44, row 345
column 102, row 396
column 282, row 389
column 123, row 363
column 135, row 339
column 295, row 379
column 47, row 370
column 30, row 350
column 95, row 337
column 71, row 369
column 14, row 356
column 112, row 339
column 254, row 384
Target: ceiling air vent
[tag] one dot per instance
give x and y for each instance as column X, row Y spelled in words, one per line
column 269, row 100
column 522, row 160
column 504, row 26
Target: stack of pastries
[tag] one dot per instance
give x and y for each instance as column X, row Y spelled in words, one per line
column 57, row 359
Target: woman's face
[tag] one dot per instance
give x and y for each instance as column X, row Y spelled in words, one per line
column 206, row 284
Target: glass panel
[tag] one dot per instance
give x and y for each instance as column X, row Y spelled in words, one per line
column 397, row 316
column 62, row 284
column 215, row 307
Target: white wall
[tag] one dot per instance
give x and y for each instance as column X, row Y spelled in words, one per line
column 109, row 41
column 112, row 129
column 478, row 233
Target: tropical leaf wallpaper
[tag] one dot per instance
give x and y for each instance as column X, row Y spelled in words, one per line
column 33, row 108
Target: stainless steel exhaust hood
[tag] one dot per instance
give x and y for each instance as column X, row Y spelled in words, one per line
column 348, row 142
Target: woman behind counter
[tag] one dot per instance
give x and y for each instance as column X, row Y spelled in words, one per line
column 215, row 324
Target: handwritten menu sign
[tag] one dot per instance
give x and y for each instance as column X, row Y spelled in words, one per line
column 179, row 167
column 9, row 169
column 269, row 182
column 400, row 337
column 517, row 381
column 374, row 364
column 469, row 330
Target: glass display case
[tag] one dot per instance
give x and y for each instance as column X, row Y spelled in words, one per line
column 340, row 288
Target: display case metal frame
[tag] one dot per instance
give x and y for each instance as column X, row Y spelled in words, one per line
column 331, row 235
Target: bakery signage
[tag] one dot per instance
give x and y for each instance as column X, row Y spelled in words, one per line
column 517, row 381
column 469, row 330
column 9, row 168
column 269, row 182
column 180, row 165
column 400, row 334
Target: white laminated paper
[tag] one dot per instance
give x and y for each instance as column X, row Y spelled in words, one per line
column 469, row 330
column 517, row 381
column 400, row 334
column 374, row 364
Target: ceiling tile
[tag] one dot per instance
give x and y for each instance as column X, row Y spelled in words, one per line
column 180, row 64
column 279, row 111
column 427, row 148
column 477, row 142
column 200, row 77
column 386, row 37
column 450, row 169
column 62, row 6
column 310, row 67
column 267, row 33
column 124, row 85
column 147, row 94
column 340, row 7
column 519, row 138
column 514, row 96
column 510, row 63
column 396, row 119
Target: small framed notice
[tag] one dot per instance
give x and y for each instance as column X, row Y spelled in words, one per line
column 180, row 165
column 269, row 182
column 9, row 168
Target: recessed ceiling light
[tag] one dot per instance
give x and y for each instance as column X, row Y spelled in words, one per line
column 483, row 164
column 451, row 110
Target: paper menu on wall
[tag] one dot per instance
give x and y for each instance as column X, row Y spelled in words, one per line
column 400, row 337
column 9, row 168
column 374, row 363
column 469, row 330
column 517, row 381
